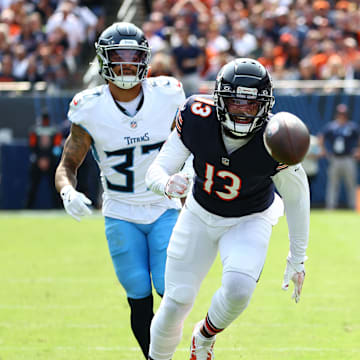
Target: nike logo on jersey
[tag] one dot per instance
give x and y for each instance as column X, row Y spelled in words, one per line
column 225, row 161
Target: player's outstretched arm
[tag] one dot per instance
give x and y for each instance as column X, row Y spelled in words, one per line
column 293, row 186
column 164, row 176
column 75, row 149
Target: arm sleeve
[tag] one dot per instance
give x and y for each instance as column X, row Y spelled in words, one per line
column 293, row 186
column 169, row 161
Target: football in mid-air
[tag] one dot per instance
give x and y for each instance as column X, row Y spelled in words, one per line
column 286, row 138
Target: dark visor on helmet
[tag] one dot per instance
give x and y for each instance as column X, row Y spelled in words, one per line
column 242, row 107
column 127, row 55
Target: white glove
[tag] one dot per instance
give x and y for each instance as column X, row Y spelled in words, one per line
column 75, row 203
column 296, row 273
column 177, row 186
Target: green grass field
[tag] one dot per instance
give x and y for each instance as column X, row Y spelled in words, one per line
column 60, row 299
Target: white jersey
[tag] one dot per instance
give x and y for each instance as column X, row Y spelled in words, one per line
column 125, row 146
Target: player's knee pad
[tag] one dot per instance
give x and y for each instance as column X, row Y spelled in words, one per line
column 166, row 328
column 183, row 294
column 171, row 314
column 231, row 299
column 237, row 288
column 179, row 310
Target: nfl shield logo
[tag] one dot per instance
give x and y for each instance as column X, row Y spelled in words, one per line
column 225, row 161
column 133, row 124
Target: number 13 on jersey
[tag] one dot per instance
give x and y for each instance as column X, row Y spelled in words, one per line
column 231, row 191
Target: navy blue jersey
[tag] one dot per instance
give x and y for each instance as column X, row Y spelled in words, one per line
column 229, row 185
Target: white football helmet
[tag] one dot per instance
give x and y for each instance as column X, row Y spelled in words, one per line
column 123, row 44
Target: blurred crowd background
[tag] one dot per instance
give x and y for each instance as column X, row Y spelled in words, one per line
column 47, row 40
column 52, row 40
column 51, row 43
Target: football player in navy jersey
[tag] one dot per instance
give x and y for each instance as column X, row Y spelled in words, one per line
column 231, row 209
column 125, row 122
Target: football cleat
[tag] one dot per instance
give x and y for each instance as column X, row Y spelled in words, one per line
column 201, row 348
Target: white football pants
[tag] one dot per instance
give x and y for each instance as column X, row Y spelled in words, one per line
column 197, row 237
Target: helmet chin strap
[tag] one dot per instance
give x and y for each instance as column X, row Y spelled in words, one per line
column 239, row 130
column 125, row 83
column 234, row 135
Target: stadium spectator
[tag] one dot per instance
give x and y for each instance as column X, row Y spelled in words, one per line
column 28, row 38
column 340, row 143
column 74, row 28
column 156, row 42
column 349, row 50
column 32, row 73
column 98, row 8
column 157, row 19
column 45, row 8
column 220, row 15
column 117, row 120
column 354, row 69
column 333, row 69
column 7, row 69
column 21, row 61
column 188, row 11
column 161, row 65
column 290, row 51
column 215, row 41
column 268, row 30
column 4, row 40
column 307, row 70
column 37, row 26
column 88, row 18
column 243, row 43
column 61, row 53
column 216, row 63
column 188, row 59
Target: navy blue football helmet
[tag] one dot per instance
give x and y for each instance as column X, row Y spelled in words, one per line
column 243, row 96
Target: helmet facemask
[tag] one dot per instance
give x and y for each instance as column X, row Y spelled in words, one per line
column 243, row 96
column 132, row 62
column 241, row 115
column 242, row 112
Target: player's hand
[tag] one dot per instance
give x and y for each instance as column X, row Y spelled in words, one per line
column 177, row 186
column 296, row 273
column 75, row 203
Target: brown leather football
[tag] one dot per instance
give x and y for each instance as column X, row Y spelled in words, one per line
column 286, row 138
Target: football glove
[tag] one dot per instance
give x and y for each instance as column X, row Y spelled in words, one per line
column 296, row 273
column 177, row 186
column 75, row 203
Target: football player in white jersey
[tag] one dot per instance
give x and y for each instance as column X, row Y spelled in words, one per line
column 231, row 209
column 125, row 122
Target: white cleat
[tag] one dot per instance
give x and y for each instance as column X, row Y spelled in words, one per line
column 201, row 348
